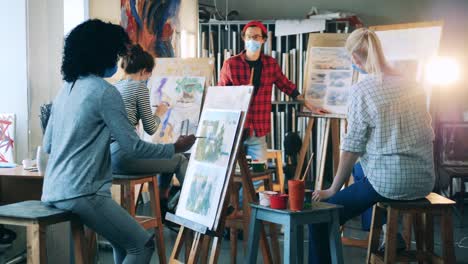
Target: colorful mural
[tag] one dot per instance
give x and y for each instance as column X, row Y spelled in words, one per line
column 151, row 23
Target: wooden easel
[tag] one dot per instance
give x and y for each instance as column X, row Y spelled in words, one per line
column 334, row 123
column 201, row 243
column 197, row 238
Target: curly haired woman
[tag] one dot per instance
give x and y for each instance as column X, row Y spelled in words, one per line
column 85, row 113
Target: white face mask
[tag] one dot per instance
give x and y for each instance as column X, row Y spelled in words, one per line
column 252, row 45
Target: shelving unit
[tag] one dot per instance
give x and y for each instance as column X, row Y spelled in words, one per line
column 222, row 39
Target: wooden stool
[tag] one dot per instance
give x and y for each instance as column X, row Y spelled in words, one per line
column 421, row 212
column 127, row 200
column 36, row 216
column 240, row 221
column 277, row 157
column 294, row 230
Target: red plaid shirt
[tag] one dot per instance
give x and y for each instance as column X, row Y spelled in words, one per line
column 236, row 72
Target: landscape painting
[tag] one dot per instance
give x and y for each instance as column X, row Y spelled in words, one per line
column 208, row 166
column 183, row 96
column 329, row 78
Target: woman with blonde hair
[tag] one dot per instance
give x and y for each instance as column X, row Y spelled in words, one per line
column 389, row 130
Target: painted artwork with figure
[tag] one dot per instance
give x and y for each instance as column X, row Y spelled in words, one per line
column 151, row 23
column 329, row 78
column 183, row 96
column 208, row 166
column 7, row 138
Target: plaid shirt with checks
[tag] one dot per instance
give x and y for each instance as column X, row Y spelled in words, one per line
column 389, row 125
column 236, row 72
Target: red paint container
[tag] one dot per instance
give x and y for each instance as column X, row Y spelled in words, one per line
column 279, row 201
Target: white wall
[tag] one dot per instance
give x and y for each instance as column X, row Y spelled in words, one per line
column 13, row 69
column 106, row 10
column 45, row 33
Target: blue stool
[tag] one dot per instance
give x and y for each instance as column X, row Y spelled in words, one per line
column 36, row 216
column 294, row 222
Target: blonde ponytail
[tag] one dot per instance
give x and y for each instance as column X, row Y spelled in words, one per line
column 365, row 44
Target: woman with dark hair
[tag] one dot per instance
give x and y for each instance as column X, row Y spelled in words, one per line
column 138, row 65
column 85, row 113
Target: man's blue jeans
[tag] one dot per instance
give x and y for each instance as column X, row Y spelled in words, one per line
column 355, row 199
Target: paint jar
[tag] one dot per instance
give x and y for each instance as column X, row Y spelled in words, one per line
column 296, row 190
column 279, row 201
column 28, row 163
column 264, row 197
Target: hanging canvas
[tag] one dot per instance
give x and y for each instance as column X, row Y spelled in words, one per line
column 328, row 78
column 206, row 174
column 183, row 96
column 7, row 138
column 151, row 23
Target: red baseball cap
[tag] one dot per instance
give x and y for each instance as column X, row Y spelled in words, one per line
column 255, row 23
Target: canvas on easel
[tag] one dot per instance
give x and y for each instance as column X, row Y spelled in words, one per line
column 180, row 84
column 409, row 47
column 183, row 97
column 227, row 99
column 328, row 75
column 208, row 166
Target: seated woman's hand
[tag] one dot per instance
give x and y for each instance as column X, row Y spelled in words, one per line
column 161, row 110
column 184, row 143
column 321, row 195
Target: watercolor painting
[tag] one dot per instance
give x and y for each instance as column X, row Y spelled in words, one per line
column 318, row 77
column 151, row 23
column 337, row 98
column 330, row 77
column 317, row 91
column 7, row 138
column 203, row 185
column 325, row 58
column 183, row 96
column 216, row 133
column 208, row 167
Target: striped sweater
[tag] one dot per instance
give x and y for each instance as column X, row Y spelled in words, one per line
column 136, row 99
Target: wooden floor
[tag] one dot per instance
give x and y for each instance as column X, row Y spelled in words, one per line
column 351, row 255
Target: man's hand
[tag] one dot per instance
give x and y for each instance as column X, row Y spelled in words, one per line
column 311, row 107
column 184, row 143
column 321, row 195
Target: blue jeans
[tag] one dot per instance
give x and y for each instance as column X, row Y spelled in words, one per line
column 123, row 163
column 131, row 243
column 366, row 217
column 255, row 147
column 355, row 199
